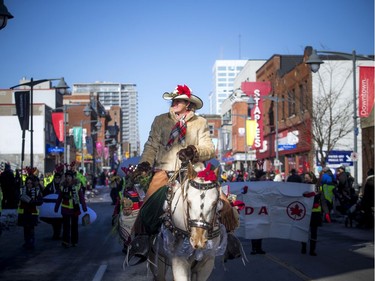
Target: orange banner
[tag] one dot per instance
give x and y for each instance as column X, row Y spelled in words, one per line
column 366, row 91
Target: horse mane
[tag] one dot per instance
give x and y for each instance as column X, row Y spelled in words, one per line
column 191, row 173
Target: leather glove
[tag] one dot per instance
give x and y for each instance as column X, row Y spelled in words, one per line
column 308, row 194
column 187, row 154
column 144, row 167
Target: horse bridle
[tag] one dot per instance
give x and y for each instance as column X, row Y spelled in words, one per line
column 199, row 223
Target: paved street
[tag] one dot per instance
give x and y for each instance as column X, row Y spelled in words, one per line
column 343, row 254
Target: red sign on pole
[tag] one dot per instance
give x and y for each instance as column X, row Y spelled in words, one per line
column 366, row 91
column 58, row 125
column 257, row 90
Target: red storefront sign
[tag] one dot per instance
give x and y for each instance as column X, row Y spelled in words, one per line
column 257, row 90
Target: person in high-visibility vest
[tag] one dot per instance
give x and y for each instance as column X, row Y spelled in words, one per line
column 70, row 198
column 327, row 183
column 53, row 188
column 82, row 179
column 28, row 213
column 316, row 215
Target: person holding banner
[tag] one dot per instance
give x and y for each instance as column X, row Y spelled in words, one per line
column 256, row 244
column 316, row 215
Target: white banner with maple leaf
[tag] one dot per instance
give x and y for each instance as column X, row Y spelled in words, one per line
column 272, row 209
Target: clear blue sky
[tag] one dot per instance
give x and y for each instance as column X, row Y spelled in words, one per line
column 159, row 44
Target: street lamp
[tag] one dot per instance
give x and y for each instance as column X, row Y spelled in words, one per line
column 250, row 104
column 276, row 120
column 92, row 106
column 65, row 125
column 61, row 87
column 314, row 63
column 4, row 15
column 98, row 126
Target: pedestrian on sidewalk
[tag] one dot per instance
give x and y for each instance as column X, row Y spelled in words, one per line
column 328, row 186
column 70, row 198
column 28, row 213
column 367, row 203
column 294, row 176
column 9, row 188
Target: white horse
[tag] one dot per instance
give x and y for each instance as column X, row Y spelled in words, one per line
column 191, row 235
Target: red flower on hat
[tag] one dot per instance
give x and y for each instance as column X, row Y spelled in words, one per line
column 183, row 90
column 207, row 174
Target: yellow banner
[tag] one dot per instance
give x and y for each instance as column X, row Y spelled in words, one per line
column 251, row 127
column 86, row 157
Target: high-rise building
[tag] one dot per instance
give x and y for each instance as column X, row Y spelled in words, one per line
column 123, row 95
column 223, row 72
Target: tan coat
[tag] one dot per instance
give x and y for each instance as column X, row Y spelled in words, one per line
column 197, row 133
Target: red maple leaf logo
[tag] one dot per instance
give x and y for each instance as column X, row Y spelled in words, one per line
column 296, row 210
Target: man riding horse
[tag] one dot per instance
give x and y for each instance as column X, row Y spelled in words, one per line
column 176, row 138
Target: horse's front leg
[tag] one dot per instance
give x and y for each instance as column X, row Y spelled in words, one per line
column 181, row 269
column 158, row 266
column 203, row 269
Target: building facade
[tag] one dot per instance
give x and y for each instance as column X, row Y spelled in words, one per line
column 287, row 142
column 294, row 111
column 45, row 155
column 126, row 97
column 224, row 73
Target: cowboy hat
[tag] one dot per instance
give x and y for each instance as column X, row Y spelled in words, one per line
column 183, row 93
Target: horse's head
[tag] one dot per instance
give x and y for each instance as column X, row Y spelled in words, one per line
column 203, row 204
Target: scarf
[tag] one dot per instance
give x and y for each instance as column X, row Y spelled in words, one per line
column 178, row 130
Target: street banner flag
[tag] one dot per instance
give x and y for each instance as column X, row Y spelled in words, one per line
column 273, row 209
column 106, row 152
column 58, row 125
column 366, row 90
column 89, row 145
column 251, row 127
column 99, row 148
column 77, row 135
column 22, row 99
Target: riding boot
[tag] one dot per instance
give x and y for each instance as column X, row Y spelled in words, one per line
column 138, row 249
column 303, row 248
column 312, row 248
